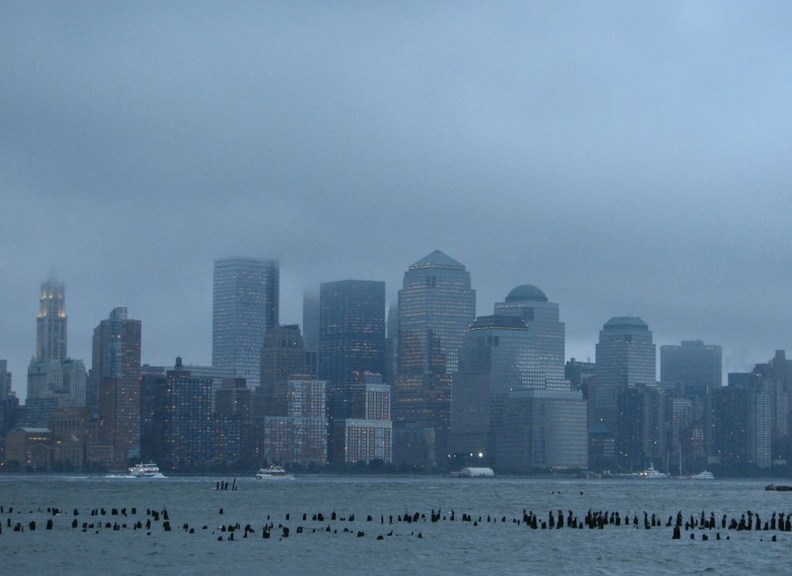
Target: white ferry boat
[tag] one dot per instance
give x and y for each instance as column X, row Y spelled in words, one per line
column 273, row 473
column 148, row 470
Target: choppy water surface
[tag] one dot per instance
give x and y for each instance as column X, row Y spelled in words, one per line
column 359, row 546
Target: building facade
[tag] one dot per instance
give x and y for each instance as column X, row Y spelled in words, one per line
column 116, row 368
column 51, row 373
column 300, row 436
column 351, row 337
column 625, row 356
column 543, row 429
column 436, row 305
column 245, row 305
column 693, row 363
column 494, row 359
column 546, row 335
column 368, row 434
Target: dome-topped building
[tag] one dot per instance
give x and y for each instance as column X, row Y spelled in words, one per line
column 547, row 334
column 526, row 293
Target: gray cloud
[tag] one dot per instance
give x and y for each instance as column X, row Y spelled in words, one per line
column 626, row 158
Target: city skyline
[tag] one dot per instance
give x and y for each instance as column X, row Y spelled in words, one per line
column 19, row 386
column 628, row 160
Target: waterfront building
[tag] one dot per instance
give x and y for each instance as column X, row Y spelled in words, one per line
column 300, row 436
column 692, row 363
column 245, row 306
column 436, row 305
column 233, row 429
column 368, row 434
column 543, row 429
column 495, row 358
column 545, row 333
column 116, row 370
column 188, row 431
column 746, row 420
column 640, row 430
column 625, row 356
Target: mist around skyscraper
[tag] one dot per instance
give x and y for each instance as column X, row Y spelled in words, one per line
column 424, row 385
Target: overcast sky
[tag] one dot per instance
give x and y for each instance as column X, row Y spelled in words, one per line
column 628, row 158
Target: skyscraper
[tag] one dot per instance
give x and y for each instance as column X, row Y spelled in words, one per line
column 494, row 360
column 282, row 355
column 436, row 305
column 5, row 380
column 116, row 368
column 625, row 356
column 53, row 378
column 351, row 337
column 246, row 303
column 51, row 322
column 546, row 335
column 693, row 363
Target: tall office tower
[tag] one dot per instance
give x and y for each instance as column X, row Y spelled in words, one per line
column 5, row 380
column 311, row 321
column 246, row 303
column 546, row 335
column 116, row 368
column 351, row 337
column 494, row 360
column 391, row 343
column 282, row 355
column 625, row 356
column 693, row 363
column 54, row 379
column 436, row 306
column 9, row 405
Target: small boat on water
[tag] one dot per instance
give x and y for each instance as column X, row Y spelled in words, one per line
column 778, row 488
column 706, row 475
column 273, row 473
column 149, row 470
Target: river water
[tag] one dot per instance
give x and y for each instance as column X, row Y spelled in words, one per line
column 487, row 532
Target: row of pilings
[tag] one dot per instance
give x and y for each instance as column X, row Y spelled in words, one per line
column 122, row 518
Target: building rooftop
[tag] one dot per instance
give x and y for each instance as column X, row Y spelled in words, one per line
column 437, row 259
column 626, row 322
column 498, row 322
column 526, row 293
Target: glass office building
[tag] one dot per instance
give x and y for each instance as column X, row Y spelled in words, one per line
column 245, row 306
column 546, row 336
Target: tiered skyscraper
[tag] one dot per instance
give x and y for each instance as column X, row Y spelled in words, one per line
column 436, row 305
column 54, row 380
column 116, row 368
column 246, row 304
